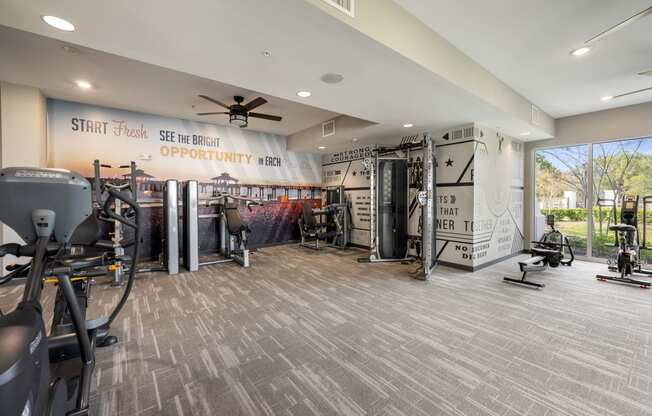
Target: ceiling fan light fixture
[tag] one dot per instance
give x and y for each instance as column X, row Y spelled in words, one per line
column 239, row 120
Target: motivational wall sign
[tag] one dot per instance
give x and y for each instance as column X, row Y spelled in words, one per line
column 170, row 148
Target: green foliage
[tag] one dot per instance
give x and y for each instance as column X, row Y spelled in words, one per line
column 579, row 214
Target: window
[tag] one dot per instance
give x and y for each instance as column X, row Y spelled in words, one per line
column 587, row 205
column 620, row 168
column 561, row 191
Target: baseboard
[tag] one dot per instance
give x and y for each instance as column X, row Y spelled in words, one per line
column 482, row 266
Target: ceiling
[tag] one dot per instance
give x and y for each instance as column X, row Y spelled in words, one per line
column 132, row 85
column 222, row 40
column 526, row 43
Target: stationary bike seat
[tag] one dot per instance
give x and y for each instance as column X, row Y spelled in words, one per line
column 544, row 251
column 622, row 227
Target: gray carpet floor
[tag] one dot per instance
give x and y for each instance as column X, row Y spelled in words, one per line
column 316, row 333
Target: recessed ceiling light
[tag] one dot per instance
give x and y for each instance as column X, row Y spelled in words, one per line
column 408, row 125
column 607, row 98
column 321, row 147
column 59, row 23
column 304, row 94
column 84, row 85
column 525, row 133
column 332, row 78
column 581, row 51
column 355, row 139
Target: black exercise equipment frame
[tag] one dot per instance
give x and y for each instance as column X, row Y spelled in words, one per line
column 545, row 254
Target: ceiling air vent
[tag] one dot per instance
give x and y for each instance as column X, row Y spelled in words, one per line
column 536, row 116
column 346, row 6
column 469, row 132
column 328, row 128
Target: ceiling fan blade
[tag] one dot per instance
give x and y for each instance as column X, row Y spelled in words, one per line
column 214, row 101
column 255, row 103
column 210, row 114
column 265, row 116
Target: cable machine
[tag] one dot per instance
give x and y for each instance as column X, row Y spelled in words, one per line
column 402, row 180
column 232, row 232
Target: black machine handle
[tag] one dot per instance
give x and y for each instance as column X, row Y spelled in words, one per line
column 72, row 266
column 127, row 199
column 28, row 250
column 11, row 249
column 135, row 225
column 97, row 181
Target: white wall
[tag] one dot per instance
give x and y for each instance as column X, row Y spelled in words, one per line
column 619, row 123
column 23, row 137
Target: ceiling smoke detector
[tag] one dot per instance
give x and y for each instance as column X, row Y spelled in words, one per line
column 71, row 50
column 331, row 78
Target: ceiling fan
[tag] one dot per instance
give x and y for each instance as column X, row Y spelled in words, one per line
column 239, row 113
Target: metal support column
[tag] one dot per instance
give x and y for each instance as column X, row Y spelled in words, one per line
column 191, row 227
column 171, row 224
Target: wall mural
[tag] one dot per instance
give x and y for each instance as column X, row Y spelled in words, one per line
column 347, row 169
column 479, row 195
column 223, row 159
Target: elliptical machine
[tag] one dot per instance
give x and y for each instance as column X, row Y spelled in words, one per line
column 41, row 374
column 550, row 250
column 628, row 259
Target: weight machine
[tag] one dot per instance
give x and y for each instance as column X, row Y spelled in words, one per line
column 336, row 230
column 232, row 231
column 169, row 258
column 403, row 179
column 117, row 243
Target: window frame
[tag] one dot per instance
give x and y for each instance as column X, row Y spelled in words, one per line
column 589, row 194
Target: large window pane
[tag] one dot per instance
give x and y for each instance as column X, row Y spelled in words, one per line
column 620, row 168
column 561, row 190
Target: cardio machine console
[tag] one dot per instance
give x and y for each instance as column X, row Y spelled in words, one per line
column 26, row 190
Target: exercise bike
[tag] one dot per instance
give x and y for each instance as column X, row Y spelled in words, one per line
column 628, row 258
column 549, row 251
column 41, row 374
